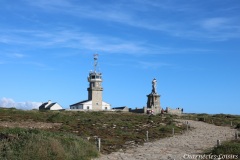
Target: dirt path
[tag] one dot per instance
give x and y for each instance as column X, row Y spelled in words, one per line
column 175, row 148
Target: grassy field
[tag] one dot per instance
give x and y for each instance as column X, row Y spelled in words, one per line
column 116, row 130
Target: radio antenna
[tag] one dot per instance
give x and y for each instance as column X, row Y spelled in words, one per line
column 95, row 57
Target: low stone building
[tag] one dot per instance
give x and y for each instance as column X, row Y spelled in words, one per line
column 50, row 106
column 176, row 111
column 123, row 109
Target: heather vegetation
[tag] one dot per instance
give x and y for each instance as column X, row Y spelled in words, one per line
column 227, row 148
column 216, row 119
column 28, row 144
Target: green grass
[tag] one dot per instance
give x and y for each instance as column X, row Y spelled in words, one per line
column 216, row 119
column 28, row 144
column 227, row 148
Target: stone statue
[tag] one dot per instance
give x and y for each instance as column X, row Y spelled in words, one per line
column 154, row 86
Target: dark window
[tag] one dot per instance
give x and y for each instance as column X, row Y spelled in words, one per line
column 93, row 77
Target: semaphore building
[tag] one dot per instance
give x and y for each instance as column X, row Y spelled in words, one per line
column 95, row 90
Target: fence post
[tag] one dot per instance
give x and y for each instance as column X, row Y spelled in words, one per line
column 236, row 135
column 147, row 135
column 231, row 124
column 173, row 131
column 212, row 121
column 187, row 127
column 99, row 144
column 218, row 142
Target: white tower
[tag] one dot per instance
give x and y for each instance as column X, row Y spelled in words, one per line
column 95, row 86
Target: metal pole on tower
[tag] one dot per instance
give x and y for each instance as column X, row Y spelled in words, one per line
column 95, row 57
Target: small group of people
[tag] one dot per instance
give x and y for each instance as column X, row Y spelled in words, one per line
column 150, row 112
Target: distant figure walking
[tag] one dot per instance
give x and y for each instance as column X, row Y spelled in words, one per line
column 162, row 111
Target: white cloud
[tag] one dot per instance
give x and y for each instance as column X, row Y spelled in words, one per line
column 8, row 103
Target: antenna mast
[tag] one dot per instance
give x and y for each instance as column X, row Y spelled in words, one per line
column 95, row 57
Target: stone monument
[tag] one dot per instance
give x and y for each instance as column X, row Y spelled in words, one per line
column 153, row 102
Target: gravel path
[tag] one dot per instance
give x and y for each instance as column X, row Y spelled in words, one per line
column 175, row 148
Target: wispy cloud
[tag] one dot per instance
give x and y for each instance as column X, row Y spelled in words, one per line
column 137, row 14
column 214, row 23
column 17, row 55
column 219, row 28
column 8, row 103
column 152, row 65
column 76, row 39
column 70, row 39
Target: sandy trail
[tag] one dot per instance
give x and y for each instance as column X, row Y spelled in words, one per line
column 177, row 147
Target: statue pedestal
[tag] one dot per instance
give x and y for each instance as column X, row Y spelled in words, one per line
column 153, row 103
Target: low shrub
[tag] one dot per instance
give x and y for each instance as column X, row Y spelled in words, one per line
column 238, row 126
column 201, row 119
column 28, row 144
column 227, row 148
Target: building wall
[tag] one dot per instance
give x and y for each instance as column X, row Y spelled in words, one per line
column 56, row 107
column 77, row 106
column 106, row 106
column 153, row 103
column 174, row 111
column 87, row 106
column 83, row 106
column 95, row 91
column 137, row 110
column 96, row 100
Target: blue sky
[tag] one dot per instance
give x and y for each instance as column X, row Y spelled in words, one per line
column 191, row 47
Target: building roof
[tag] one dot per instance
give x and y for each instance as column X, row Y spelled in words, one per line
column 47, row 105
column 80, row 102
column 120, row 107
column 50, row 105
column 43, row 105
